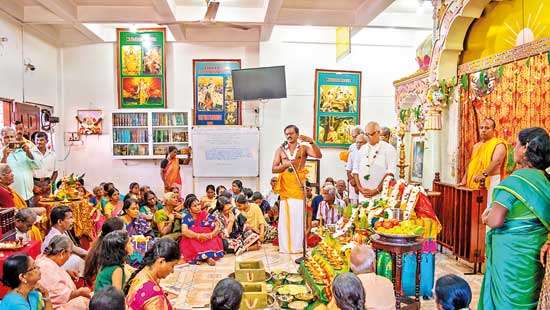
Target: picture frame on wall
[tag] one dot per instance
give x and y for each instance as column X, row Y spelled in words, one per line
column 313, row 173
column 90, row 122
column 141, row 68
column 416, row 164
column 337, row 107
column 213, row 95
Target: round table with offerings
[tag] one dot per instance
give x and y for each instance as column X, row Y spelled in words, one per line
column 397, row 247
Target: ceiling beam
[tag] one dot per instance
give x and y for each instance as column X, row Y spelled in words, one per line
column 368, row 11
column 273, row 8
column 47, row 33
column 68, row 11
column 166, row 9
column 37, row 14
column 316, row 17
column 13, row 9
column 117, row 14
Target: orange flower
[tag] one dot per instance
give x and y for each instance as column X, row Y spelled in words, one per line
column 344, row 156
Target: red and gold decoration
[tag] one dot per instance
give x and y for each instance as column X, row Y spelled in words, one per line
column 89, row 122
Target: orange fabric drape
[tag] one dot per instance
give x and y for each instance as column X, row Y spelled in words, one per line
column 520, row 99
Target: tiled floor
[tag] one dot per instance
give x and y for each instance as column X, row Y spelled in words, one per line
column 192, row 285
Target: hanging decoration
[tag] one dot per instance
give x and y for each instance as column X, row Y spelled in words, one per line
column 439, row 93
column 89, row 122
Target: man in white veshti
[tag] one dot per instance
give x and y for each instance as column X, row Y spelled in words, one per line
column 291, row 210
column 372, row 162
column 353, row 148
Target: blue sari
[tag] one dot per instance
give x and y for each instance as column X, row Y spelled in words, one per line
column 13, row 300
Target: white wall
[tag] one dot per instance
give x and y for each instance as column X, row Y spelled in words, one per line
column 383, row 56
column 88, row 80
column 40, row 86
column 89, row 75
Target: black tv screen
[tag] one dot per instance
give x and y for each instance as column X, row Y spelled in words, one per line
column 259, row 83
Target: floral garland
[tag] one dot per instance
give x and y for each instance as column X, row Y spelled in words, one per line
column 439, row 93
column 341, row 231
column 406, row 194
column 410, row 203
column 386, row 185
column 392, row 202
column 370, row 159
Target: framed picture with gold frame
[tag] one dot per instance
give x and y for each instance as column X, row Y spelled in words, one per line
column 416, row 158
column 313, row 175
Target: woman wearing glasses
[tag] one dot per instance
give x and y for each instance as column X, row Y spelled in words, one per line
column 21, row 275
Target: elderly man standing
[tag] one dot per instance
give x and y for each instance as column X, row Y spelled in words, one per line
column 379, row 293
column 372, row 163
column 330, row 209
column 353, row 193
column 22, row 157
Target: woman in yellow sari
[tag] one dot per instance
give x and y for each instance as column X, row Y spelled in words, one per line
column 142, row 290
column 170, row 169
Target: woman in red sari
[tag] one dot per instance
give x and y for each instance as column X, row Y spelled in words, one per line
column 200, row 235
column 170, row 169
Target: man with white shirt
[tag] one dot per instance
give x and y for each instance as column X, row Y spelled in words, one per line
column 271, row 196
column 47, row 171
column 372, row 162
column 62, row 220
column 353, row 194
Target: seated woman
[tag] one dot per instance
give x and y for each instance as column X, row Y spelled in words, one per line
column 113, row 205
column 209, row 201
column 133, row 192
column 348, row 292
column 135, row 223
column 63, row 291
column 167, row 219
column 150, row 205
column 115, row 248
column 452, row 293
column 98, row 206
column 254, row 216
column 227, row 295
column 200, row 235
column 91, row 266
column 143, row 291
column 21, row 275
column 236, row 237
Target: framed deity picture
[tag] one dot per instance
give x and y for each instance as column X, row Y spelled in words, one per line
column 213, row 92
column 337, row 106
column 141, row 68
column 313, row 175
column 416, row 159
column 89, row 122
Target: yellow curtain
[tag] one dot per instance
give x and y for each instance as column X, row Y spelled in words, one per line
column 520, row 99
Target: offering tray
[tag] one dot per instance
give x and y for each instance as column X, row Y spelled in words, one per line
column 398, row 239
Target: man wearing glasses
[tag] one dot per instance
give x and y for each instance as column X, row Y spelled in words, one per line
column 373, row 161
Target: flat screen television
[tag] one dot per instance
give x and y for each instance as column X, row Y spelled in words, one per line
column 259, row 83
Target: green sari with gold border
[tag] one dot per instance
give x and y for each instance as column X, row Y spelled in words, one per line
column 514, row 273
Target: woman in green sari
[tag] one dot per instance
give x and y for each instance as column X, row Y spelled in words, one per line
column 519, row 218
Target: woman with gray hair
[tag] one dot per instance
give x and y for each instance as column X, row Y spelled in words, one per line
column 348, row 292
column 63, row 291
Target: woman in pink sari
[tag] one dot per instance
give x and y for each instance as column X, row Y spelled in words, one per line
column 200, row 235
column 142, row 290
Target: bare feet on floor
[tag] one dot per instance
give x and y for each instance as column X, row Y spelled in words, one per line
column 211, row 262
